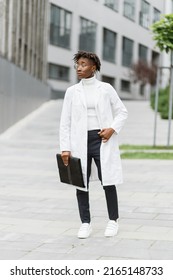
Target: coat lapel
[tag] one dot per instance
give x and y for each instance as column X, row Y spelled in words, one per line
column 98, row 92
column 81, row 93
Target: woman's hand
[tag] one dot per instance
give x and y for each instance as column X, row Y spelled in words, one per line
column 106, row 133
column 65, row 157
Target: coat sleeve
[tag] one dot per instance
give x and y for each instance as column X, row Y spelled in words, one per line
column 119, row 111
column 65, row 122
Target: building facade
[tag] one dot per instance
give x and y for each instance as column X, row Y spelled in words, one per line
column 23, row 35
column 23, row 59
column 117, row 30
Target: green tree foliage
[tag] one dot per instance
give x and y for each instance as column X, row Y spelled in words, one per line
column 163, row 33
column 163, row 105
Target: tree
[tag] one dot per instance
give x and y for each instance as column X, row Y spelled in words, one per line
column 144, row 73
column 163, row 35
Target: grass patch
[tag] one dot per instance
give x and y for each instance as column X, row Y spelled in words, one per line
column 144, row 147
column 145, row 155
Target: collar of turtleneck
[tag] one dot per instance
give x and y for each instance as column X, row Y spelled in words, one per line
column 89, row 81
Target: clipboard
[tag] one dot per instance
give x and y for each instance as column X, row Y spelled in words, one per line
column 72, row 173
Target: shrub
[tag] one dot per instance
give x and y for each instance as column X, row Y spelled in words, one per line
column 163, row 103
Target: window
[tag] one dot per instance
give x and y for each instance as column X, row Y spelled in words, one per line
column 109, row 80
column 127, row 53
column 143, row 51
column 155, row 58
column 60, row 27
column 113, row 4
column 87, row 37
column 109, row 45
column 58, row 72
column 144, row 19
column 129, row 9
column 142, row 90
column 125, row 85
column 156, row 15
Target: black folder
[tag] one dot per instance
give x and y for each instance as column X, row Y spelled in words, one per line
column 72, row 173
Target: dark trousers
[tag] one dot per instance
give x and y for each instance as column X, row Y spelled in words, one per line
column 94, row 142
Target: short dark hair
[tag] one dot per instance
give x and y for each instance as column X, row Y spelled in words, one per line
column 89, row 55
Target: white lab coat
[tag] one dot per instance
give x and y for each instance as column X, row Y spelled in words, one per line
column 111, row 112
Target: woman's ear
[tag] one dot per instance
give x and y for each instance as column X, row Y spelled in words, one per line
column 94, row 68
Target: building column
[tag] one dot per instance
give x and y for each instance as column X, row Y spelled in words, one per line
column 2, row 27
column 44, row 32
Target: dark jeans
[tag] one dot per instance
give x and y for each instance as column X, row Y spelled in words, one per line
column 94, row 142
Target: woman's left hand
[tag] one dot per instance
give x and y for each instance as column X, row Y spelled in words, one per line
column 106, row 133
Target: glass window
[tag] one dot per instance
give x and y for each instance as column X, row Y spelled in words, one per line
column 60, row 27
column 87, row 36
column 129, row 9
column 142, row 89
column 113, row 4
column 125, row 85
column 155, row 58
column 144, row 17
column 143, row 51
column 109, row 80
column 58, row 72
column 109, row 45
column 156, row 15
column 127, row 53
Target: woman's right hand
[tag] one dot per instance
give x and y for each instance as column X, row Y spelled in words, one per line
column 65, row 157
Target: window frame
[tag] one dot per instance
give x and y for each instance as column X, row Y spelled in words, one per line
column 141, row 49
column 156, row 12
column 144, row 18
column 132, row 8
column 108, row 47
column 60, row 27
column 58, row 69
column 125, row 53
column 87, row 25
column 112, row 4
column 125, row 89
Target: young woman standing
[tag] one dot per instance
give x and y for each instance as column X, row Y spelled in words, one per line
column 91, row 119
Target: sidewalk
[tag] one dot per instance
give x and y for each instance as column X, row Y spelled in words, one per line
column 39, row 217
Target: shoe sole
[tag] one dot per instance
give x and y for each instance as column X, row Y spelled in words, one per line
column 84, row 237
column 110, row 235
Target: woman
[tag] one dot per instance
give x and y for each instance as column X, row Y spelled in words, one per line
column 92, row 116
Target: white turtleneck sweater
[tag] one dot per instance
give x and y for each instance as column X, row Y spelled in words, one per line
column 90, row 96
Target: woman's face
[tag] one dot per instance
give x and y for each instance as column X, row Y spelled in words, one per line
column 85, row 68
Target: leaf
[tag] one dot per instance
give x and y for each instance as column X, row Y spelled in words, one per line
column 163, row 33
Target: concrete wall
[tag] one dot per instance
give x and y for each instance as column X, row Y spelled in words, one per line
column 20, row 94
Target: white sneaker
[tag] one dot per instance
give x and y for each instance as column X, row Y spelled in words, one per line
column 111, row 229
column 84, row 231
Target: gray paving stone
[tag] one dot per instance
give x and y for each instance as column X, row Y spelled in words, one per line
column 39, row 217
column 42, row 256
column 11, row 255
column 161, row 255
column 19, row 246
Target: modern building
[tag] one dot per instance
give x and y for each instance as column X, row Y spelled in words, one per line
column 23, row 35
column 23, row 58
column 117, row 30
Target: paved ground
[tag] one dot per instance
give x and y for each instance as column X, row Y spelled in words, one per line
column 39, row 216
